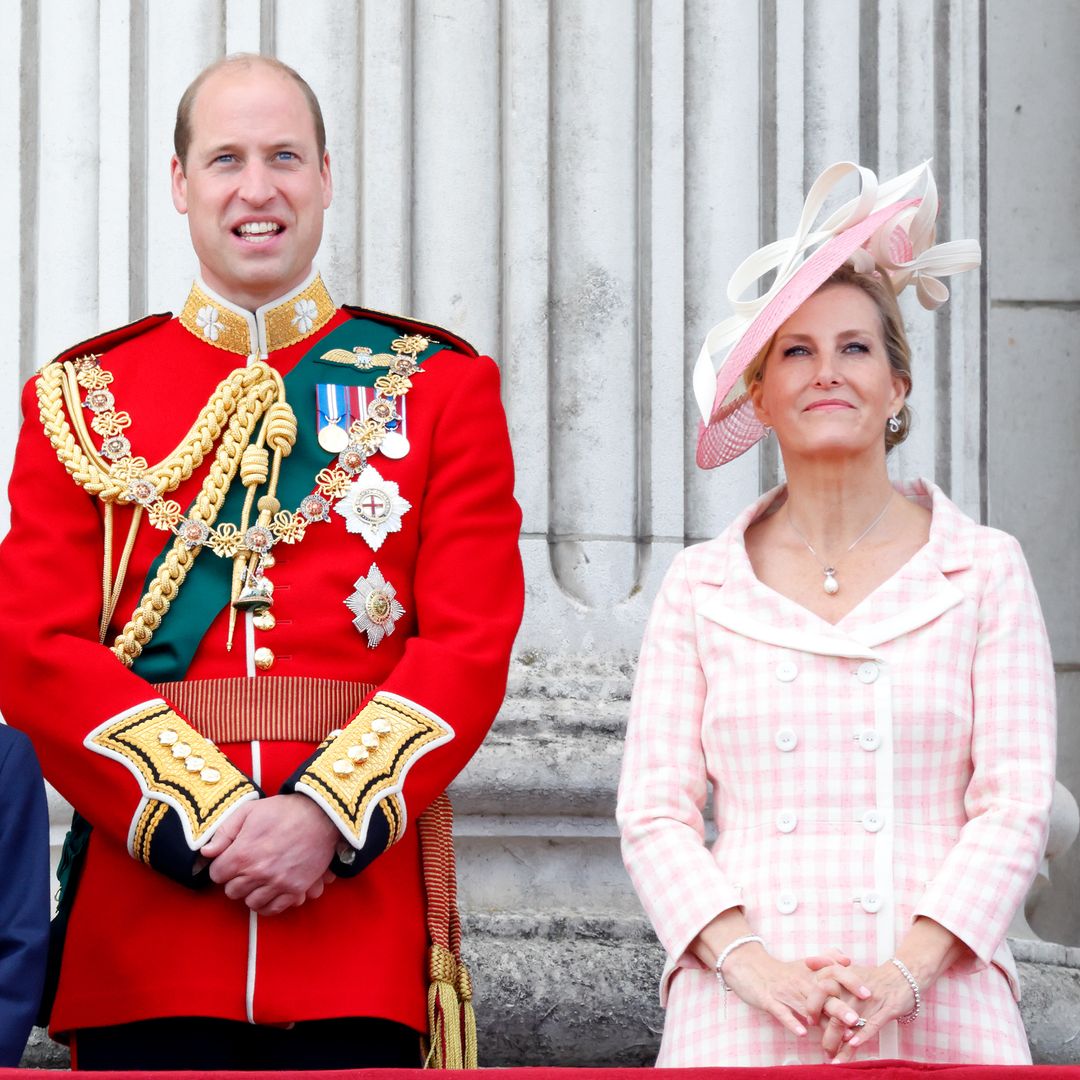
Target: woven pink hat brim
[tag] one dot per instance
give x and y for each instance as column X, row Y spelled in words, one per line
column 733, row 429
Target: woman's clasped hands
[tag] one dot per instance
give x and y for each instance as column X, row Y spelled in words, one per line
column 849, row 1004
column 886, row 995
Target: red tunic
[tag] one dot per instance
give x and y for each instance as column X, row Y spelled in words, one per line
column 141, row 945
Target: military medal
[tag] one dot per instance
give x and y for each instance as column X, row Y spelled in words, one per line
column 395, row 446
column 372, row 507
column 333, row 439
column 333, row 417
column 375, row 606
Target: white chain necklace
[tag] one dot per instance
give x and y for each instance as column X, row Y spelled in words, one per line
column 830, row 584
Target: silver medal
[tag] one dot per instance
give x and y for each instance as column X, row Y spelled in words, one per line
column 394, row 445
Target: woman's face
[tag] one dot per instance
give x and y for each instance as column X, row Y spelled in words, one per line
column 827, row 387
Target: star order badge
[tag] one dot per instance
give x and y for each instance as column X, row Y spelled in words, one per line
column 372, row 507
column 375, row 606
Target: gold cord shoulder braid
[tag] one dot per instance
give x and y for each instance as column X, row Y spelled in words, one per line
column 237, row 405
column 248, row 396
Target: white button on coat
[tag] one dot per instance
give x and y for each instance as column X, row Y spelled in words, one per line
column 867, row 671
column 787, row 671
column 786, row 903
column 869, row 739
column 786, row 820
column 873, row 821
column 786, row 739
column 871, row 903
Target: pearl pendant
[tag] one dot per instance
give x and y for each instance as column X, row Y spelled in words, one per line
column 830, row 584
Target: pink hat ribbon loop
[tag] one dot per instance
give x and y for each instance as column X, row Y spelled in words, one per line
column 901, row 245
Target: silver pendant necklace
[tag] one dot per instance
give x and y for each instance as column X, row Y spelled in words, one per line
column 830, row 584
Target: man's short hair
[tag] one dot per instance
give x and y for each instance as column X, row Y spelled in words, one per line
column 182, row 131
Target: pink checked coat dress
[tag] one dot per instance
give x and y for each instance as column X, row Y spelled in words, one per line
column 898, row 763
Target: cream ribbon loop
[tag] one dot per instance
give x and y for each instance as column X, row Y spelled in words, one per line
column 902, row 248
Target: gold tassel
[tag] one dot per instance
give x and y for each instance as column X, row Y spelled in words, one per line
column 468, row 1018
column 444, row 1012
column 451, row 1042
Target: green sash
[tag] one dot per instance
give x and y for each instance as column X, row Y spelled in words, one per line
column 207, row 586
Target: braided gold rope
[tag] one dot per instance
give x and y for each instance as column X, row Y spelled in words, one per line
column 173, row 570
column 56, row 387
column 237, row 405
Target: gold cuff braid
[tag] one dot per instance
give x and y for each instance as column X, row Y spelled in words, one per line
column 174, row 764
column 364, row 766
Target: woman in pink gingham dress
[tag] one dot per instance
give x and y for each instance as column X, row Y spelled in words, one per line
column 861, row 674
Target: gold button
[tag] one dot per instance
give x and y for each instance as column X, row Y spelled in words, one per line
column 358, row 753
column 181, row 750
column 380, row 725
column 264, row 658
column 369, row 739
column 343, row 766
column 211, row 776
column 264, row 621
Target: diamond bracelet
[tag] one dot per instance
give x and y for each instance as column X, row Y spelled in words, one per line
column 914, row 1014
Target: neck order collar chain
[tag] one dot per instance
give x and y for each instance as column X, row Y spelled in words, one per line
column 276, row 325
column 110, row 471
column 830, row 584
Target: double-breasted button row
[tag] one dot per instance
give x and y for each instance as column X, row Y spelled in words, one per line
column 872, row 821
column 786, row 739
column 871, row 902
column 867, row 672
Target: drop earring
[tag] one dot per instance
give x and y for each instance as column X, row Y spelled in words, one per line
column 894, row 424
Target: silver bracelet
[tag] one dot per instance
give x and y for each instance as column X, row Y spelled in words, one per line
column 728, row 950
column 914, row 1014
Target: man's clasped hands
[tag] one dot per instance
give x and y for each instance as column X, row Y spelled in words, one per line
column 272, row 853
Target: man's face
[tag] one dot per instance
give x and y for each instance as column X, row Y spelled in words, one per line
column 254, row 187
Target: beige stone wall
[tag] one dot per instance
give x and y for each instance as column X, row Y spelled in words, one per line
column 1033, row 399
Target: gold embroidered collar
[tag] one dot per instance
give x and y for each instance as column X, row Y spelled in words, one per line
column 276, row 325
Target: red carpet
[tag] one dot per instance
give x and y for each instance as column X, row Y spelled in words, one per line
column 877, row 1070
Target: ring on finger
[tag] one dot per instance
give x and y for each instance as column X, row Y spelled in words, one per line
column 860, row 1023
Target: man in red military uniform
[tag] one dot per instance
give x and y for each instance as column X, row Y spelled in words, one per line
column 261, row 586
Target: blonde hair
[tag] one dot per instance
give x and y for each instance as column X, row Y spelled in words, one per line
column 876, row 286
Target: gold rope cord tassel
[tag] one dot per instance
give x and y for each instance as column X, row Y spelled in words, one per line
column 57, row 387
column 444, row 1012
column 452, row 1040
column 468, row 1018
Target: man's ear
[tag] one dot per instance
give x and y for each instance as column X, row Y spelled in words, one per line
column 179, row 185
column 327, row 180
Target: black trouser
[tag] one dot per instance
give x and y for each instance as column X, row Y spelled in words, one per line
column 201, row 1043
